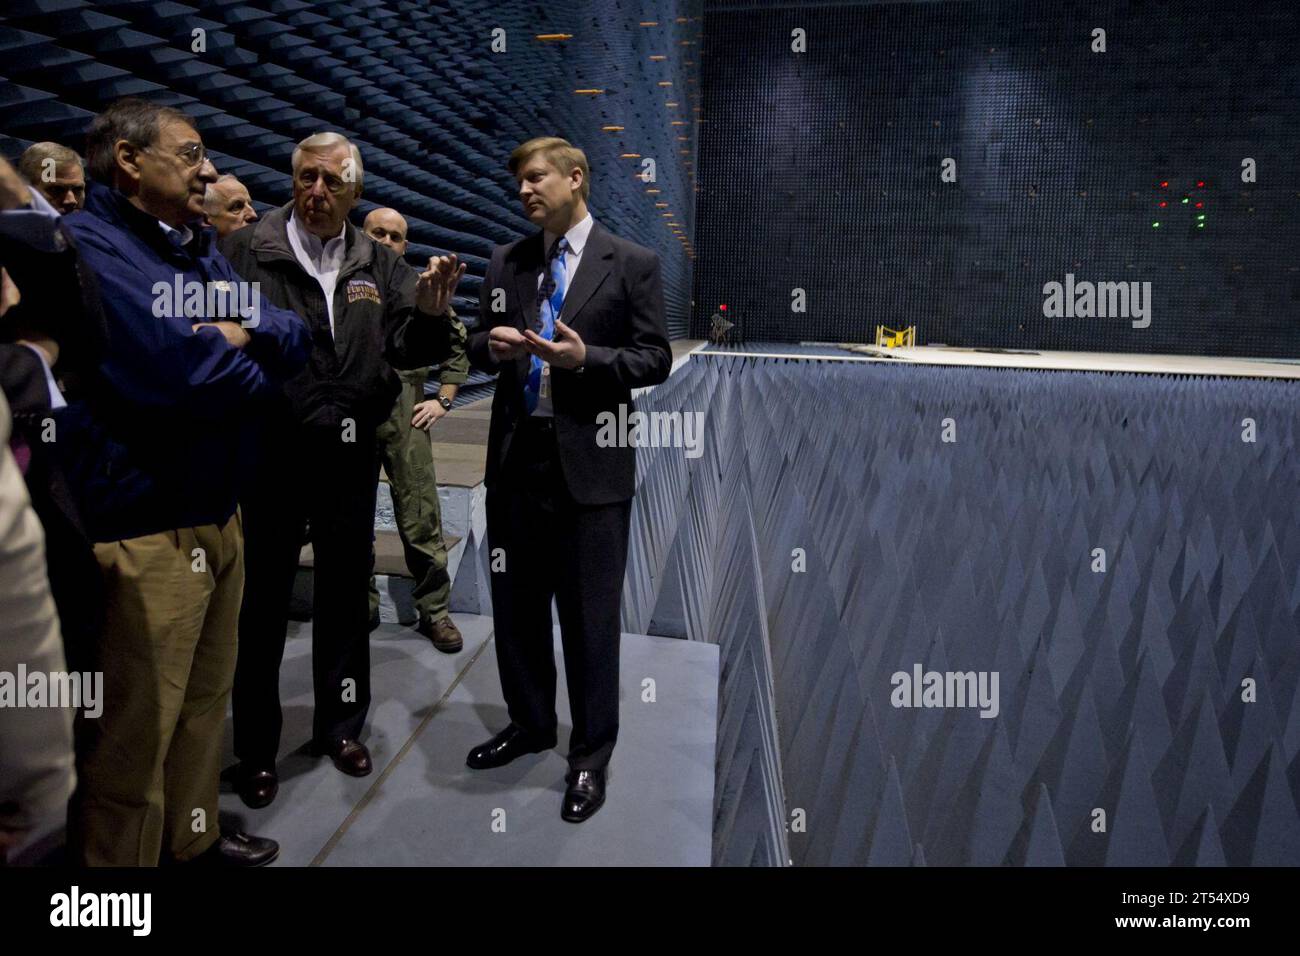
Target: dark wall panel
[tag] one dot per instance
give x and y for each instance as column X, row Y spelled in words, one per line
column 821, row 171
column 416, row 83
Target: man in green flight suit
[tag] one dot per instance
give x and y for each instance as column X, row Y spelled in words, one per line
column 407, row 457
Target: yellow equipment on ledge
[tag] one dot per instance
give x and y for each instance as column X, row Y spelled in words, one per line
column 893, row 338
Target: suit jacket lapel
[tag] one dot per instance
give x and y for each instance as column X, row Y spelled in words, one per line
column 527, row 268
column 597, row 260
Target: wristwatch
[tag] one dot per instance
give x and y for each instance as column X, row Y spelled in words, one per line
column 445, row 402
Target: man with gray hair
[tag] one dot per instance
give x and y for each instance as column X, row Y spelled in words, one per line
column 368, row 312
column 156, row 453
column 227, row 205
column 57, row 172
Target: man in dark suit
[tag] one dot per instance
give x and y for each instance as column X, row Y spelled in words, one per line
column 572, row 318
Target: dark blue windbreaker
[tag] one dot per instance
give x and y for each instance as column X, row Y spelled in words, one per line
column 162, row 439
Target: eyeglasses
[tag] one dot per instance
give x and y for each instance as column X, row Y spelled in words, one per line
column 191, row 156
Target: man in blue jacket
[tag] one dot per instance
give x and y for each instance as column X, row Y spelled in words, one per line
column 155, row 455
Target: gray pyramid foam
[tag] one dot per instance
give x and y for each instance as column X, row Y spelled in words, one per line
column 828, row 538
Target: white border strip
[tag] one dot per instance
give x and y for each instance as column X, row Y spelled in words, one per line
column 1121, row 362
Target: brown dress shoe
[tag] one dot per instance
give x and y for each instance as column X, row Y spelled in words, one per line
column 349, row 756
column 444, row 634
column 256, row 787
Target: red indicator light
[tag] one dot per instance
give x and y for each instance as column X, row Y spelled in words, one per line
column 1165, row 184
column 723, row 308
column 1163, row 204
column 1199, row 205
column 1200, row 184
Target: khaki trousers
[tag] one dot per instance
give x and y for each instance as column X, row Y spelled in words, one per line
column 150, row 763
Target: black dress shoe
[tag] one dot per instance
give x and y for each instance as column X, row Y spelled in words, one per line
column 512, row 742
column 256, row 787
column 586, row 794
column 238, row 849
column 350, row 756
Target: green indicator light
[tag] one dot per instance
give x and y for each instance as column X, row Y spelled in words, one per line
column 1201, row 216
column 1155, row 225
column 1185, row 200
column 1200, row 225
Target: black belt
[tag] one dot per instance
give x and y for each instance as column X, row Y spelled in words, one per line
column 539, row 423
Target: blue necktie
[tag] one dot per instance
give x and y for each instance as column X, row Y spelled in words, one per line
column 550, row 299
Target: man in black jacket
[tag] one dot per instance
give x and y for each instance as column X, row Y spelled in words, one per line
column 368, row 312
column 558, row 496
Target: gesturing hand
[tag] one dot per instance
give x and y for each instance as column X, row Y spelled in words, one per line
column 437, row 284
column 566, row 351
column 505, row 343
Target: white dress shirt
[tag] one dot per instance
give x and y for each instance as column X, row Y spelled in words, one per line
column 56, row 397
column 320, row 260
column 577, row 237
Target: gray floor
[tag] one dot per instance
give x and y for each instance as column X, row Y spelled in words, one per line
column 423, row 807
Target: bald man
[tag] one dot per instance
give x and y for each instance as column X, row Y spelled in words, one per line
column 227, row 205
column 405, row 452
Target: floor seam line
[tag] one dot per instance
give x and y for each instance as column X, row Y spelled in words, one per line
column 361, row 804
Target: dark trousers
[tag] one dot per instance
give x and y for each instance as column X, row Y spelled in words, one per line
column 576, row 554
column 306, row 474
